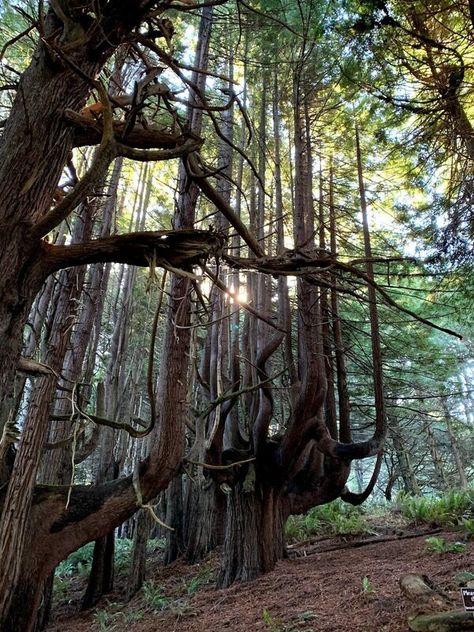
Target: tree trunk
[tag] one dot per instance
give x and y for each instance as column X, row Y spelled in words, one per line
column 136, row 577
column 339, row 346
column 204, row 515
column 101, row 576
column 410, row 483
column 463, row 482
column 254, row 537
column 438, row 465
column 174, row 519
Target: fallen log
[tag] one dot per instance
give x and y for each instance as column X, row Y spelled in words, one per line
column 433, row 611
column 319, row 547
column 452, row 621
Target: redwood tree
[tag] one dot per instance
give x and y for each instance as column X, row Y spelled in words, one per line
column 47, row 120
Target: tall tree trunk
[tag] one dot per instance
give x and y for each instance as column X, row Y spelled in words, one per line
column 407, row 473
column 438, row 465
column 136, row 577
column 283, row 295
column 101, row 577
column 457, row 457
column 379, row 395
column 339, row 347
column 174, row 519
column 254, row 539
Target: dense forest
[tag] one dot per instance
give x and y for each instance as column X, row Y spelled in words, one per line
column 235, row 275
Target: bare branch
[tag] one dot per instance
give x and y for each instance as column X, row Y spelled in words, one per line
column 146, row 155
column 31, row 367
column 208, row 466
column 200, row 178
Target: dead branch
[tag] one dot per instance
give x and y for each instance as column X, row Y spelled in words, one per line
column 145, row 155
column 200, row 178
column 32, row 367
column 208, row 466
column 293, row 263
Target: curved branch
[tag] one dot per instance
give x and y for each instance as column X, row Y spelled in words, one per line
column 167, row 59
column 316, row 429
column 390, row 301
column 32, row 367
column 226, row 397
column 145, row 155
column 358, row 498
column 209, row 466
column 199, row 177
column 291, row 263
column 265, row 410
column 88, row 131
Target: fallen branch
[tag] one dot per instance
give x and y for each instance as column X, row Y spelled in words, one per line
column 358, row 543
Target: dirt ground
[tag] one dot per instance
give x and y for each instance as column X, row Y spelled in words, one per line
column 316, row 590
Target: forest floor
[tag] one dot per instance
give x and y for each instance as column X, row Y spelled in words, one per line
column 333, row 584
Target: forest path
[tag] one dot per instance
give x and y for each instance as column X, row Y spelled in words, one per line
column 347, row 590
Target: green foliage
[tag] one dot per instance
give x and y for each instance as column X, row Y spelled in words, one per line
column 113, row 618
column 153, row 596
column 275, row 625
column 104, row 620
column 445, row 511
column 335, row 518
column 367, row 587
column 463, row 577
column 439, row 545
column 130, row 616
column 204, row 576
column 78, row 563
column 156, row 544
column 468, row 527
column 60, row 588
column 123, row 548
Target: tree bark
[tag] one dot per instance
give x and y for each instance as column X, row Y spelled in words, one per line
column 254, row 539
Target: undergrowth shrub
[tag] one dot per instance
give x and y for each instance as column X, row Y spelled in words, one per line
column 447, row 510
column 79, row 563
column 336, row 518
column 439, row 545
column 153, row 596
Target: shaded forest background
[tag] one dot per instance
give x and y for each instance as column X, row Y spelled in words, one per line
column 236, row 256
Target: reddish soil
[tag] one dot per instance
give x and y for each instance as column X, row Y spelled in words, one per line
column 316, row 590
